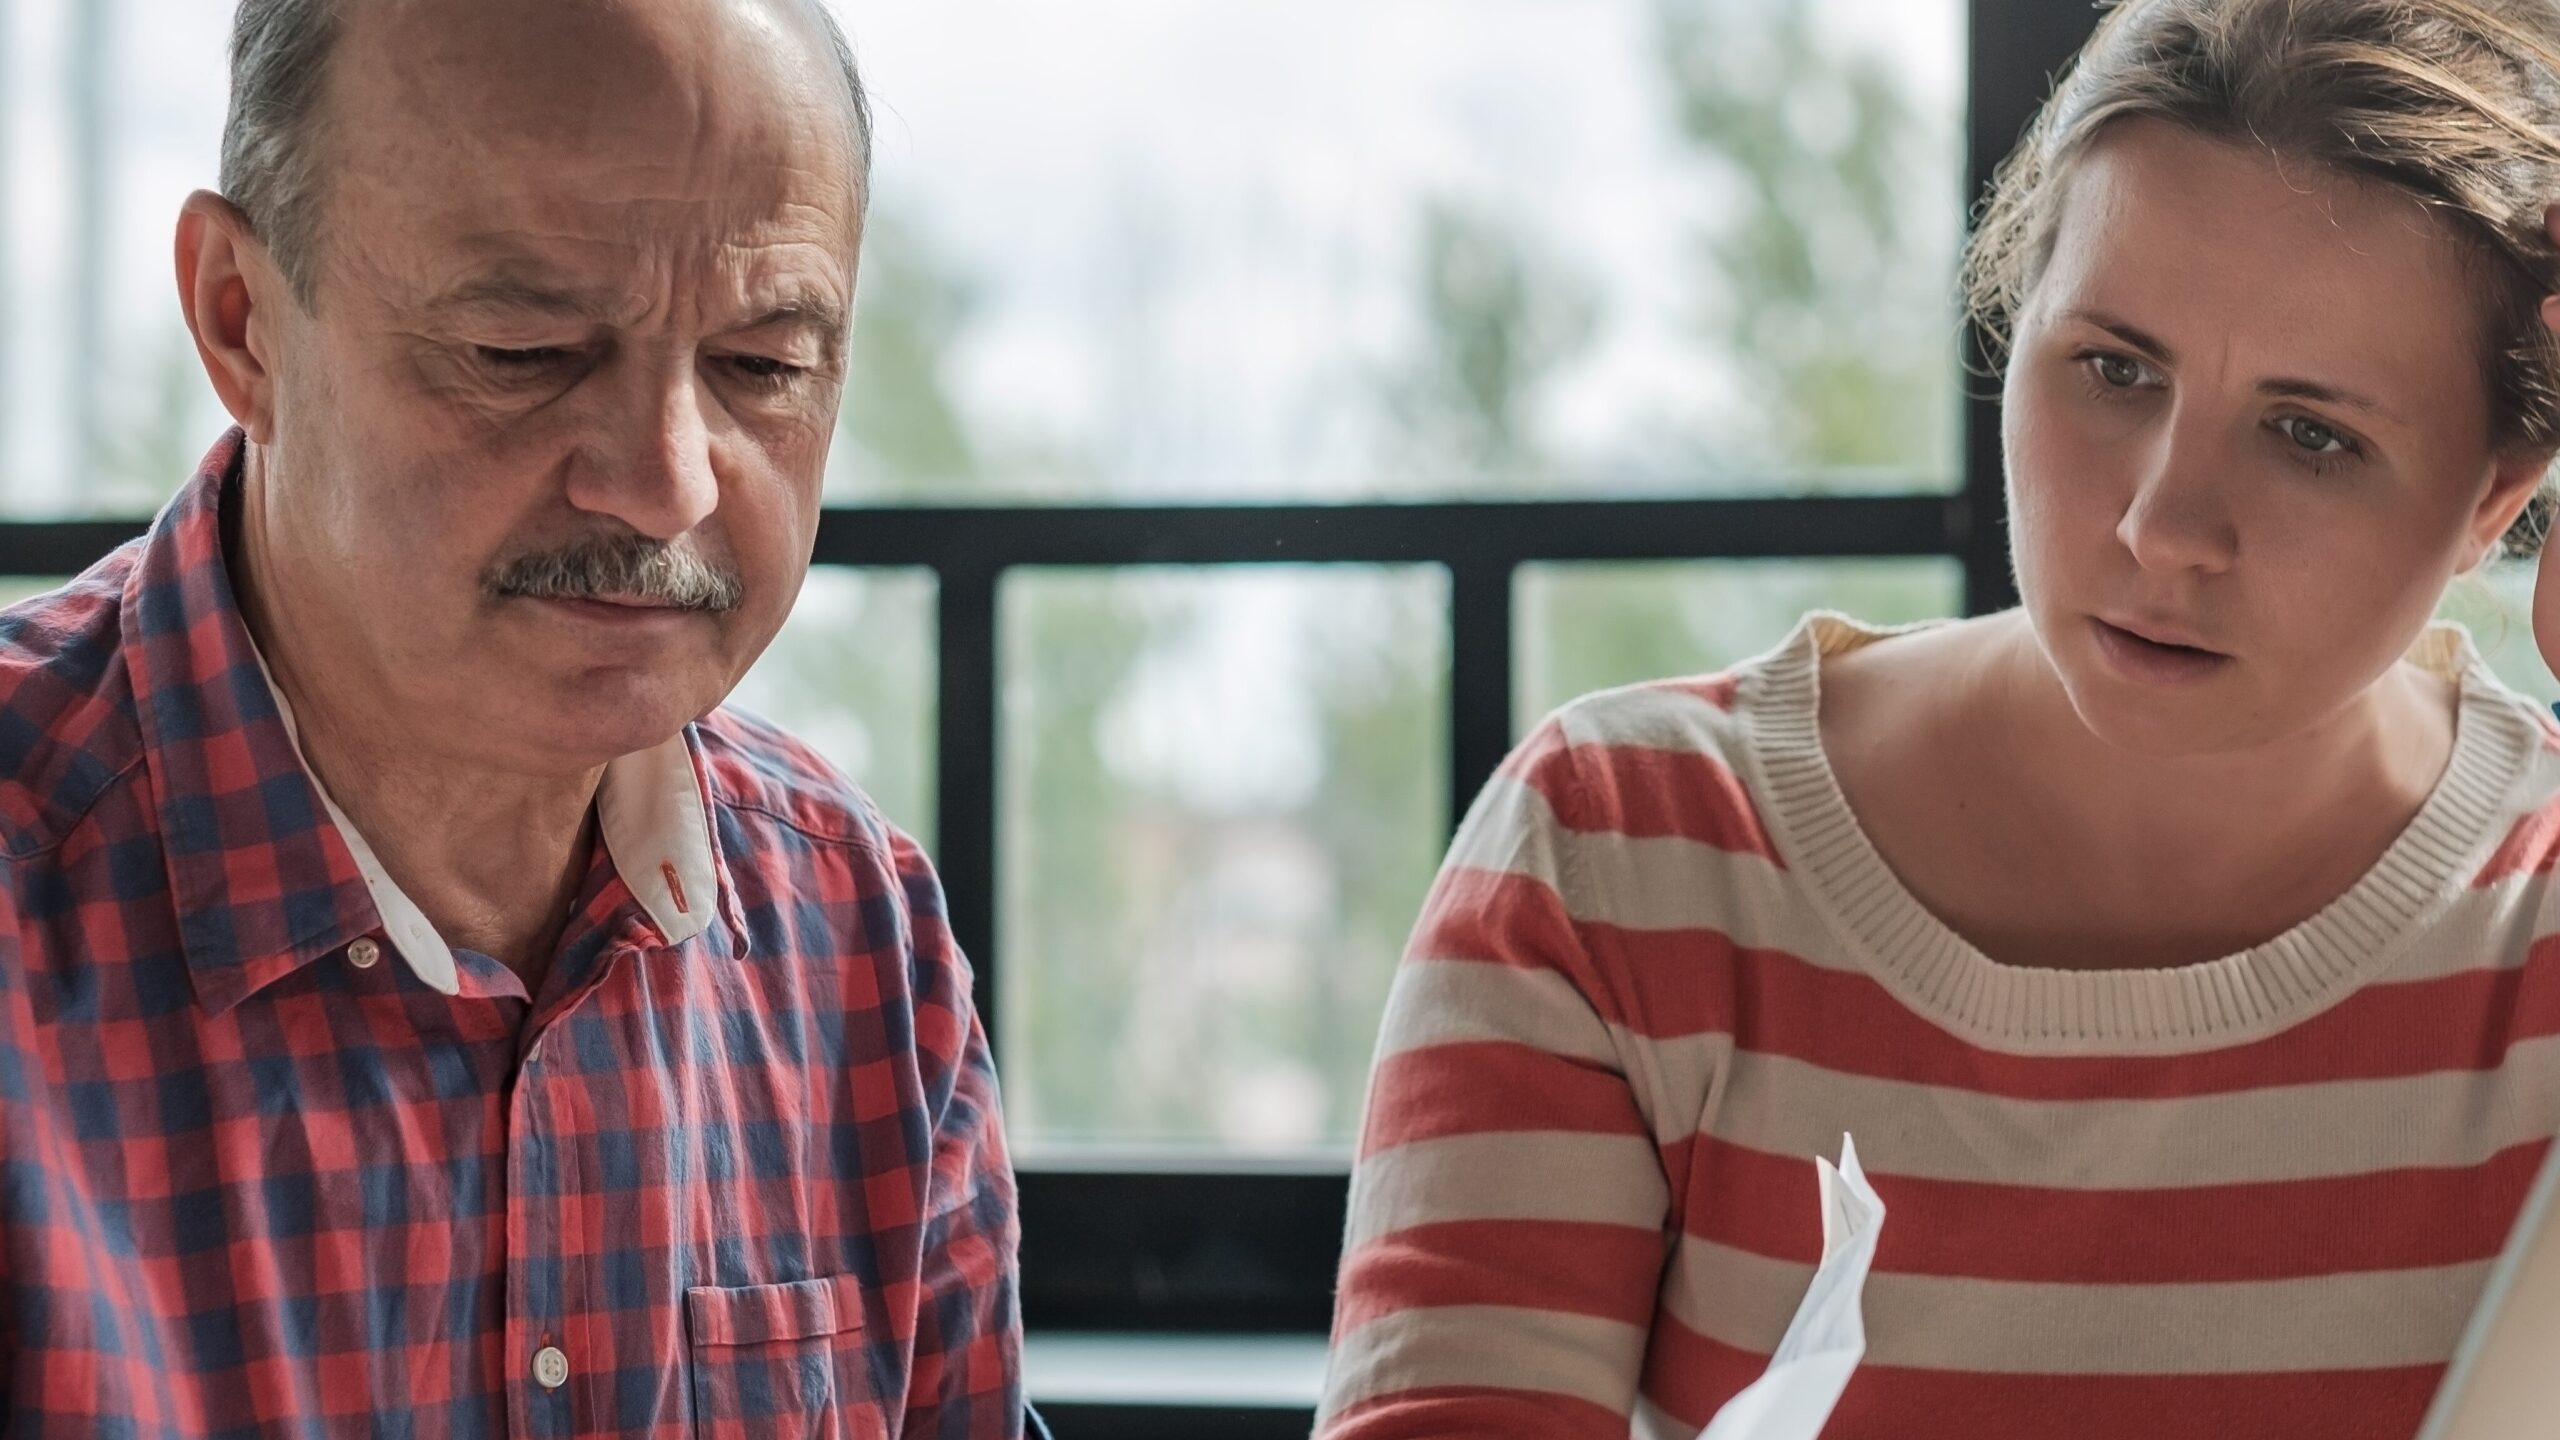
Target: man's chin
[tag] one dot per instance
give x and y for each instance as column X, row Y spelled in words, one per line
column 594, row 719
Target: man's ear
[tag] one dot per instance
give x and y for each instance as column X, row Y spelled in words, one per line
column 231, row 292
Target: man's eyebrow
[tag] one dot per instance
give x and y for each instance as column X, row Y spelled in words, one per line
column 806, row 312
column 514, row 292
column 2286, row 387
column 506, row 292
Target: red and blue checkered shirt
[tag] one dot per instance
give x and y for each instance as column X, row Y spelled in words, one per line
column 254, row 1181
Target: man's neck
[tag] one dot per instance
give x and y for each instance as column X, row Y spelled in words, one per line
column 494, row 861
column 493, row 858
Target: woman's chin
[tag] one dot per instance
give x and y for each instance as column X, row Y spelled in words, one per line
column 2159, row 723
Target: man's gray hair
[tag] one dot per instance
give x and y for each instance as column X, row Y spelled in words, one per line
column 279, row 69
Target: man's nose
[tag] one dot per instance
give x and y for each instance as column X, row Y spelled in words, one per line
column 657, row 475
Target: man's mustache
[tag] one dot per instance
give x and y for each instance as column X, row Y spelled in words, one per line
column 626, row 567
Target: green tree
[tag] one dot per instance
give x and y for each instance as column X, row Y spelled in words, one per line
column 1498, row 321
column 1827, row 277
column 903, row 434
column 1831, row 267
column 154, row 452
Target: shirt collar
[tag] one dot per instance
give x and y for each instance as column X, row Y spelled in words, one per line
column 265, row 871
column 649, row 811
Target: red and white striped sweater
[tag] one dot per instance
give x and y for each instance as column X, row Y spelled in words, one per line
column 1664, row 968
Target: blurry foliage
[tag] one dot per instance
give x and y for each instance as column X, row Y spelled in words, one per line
column 1835, row 244
column 1160, row 983
column 1826, row 272
column 1073, row 913
column 1156, row 981
column 902, row 434
column 1152, row 993
column 2496, row 606
column 1498, row 320
column 147, row 457
column 1591, row 627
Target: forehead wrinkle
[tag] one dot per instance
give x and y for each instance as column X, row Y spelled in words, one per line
column 732, row 115
column 729, row 287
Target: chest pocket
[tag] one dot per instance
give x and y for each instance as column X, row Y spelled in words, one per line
column 781, row 1360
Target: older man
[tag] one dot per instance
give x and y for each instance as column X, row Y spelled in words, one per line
column 422, row 1012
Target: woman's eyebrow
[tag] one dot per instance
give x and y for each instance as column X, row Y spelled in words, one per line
column 2325, row 393
column 2285, row 387
column 2142, row 340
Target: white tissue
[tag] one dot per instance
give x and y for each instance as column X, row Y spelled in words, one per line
column 1824, row 1343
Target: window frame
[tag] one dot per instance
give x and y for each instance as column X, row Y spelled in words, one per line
column 1239, row 1247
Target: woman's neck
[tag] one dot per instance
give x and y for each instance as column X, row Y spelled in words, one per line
column 2367, row 767
column 2045, row 845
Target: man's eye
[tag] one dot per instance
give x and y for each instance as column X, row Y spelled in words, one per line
column 535, row 358
column 765, row 367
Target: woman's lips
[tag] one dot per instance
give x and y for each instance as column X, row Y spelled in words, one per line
column 2148, row 660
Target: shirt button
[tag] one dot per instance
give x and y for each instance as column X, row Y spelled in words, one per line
column 551, row 1367
column 363, row 954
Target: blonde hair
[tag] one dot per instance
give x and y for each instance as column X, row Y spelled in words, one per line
column 2455, row 102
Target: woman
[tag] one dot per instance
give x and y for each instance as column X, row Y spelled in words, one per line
column 2179, row 949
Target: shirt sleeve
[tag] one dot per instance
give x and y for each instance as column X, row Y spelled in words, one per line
column 1508, row 1206
column 965, row 1377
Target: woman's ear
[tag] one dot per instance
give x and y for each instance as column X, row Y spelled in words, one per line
column 2514, row 481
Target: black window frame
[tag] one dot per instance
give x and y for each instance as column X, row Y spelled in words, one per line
column 1239, row 1248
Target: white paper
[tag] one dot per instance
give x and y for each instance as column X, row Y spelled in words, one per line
column 1824, row 1343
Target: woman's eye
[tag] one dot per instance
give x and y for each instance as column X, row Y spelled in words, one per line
column 2118, row 372
column 2311, row 435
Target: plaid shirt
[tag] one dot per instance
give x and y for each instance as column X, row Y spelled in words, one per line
column 278, row 1162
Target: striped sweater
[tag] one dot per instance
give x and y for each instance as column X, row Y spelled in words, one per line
column 1664, row 968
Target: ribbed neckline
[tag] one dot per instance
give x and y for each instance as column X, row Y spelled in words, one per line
column 2192, row 1007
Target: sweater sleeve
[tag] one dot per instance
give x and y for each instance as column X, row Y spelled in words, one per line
column 1507, row 1223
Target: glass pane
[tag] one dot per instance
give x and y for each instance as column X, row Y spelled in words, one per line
column 2496, row 605
column 1223, row 795
column 110, row 113
column 1423, row 246
column 14, row 588
column 1588, row 627
column 853, row 674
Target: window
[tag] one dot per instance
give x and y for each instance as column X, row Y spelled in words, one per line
column 1261, row 413
column 1232, row 489
column 1430, row 250
column 1333, row 249
column 1222, row 795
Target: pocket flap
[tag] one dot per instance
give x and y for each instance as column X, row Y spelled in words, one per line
column 755, row 1314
